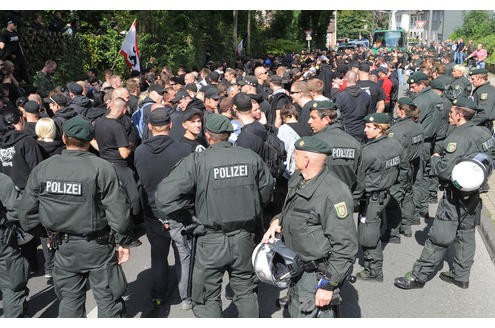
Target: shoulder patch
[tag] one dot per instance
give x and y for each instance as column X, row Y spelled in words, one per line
column 451, row 147
column 484, row 96
column 391, row 134
column 341, row 210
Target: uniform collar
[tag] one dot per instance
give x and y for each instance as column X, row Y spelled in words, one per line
column 223, row 144
column 307, row 188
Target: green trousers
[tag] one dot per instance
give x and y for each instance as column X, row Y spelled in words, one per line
column 216, row 253
column 78, row 261
column 302, row 298
column 14, row 271
column 454, row 223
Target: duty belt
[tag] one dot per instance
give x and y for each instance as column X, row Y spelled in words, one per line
column 316, row 265
column 232, row 226
column 103, row 237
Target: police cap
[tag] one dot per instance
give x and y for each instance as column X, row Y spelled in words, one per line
column 437, row 84
column 406, row 101
column 159, row 117
column 417, row 77
column 79, row 128
column 378, row 118
column 218, row 124
column 465, row 102
column 478, row 71
column 313, row 144
column 323, row 104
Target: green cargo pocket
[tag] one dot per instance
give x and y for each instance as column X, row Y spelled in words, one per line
column 442, row 232
column 116, row 280
column 369, row 232
column 18, row 271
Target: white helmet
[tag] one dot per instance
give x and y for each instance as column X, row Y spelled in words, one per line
column 275, row 264
column 470, row 173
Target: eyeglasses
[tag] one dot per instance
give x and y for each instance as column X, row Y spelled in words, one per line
column 293, row 92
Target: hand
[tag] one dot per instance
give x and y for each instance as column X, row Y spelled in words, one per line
column 273, row 229
column 436, row 154
column 323, row 297
column 123, row 254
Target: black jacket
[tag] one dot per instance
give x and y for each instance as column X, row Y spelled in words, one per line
column 353, row 104
column 19, row 154
column 80, row 104
column 60, row 116
column 154, row 159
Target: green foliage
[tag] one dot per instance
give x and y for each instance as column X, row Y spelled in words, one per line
column 282, row 46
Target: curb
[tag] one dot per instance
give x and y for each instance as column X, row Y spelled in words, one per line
column 487, row 231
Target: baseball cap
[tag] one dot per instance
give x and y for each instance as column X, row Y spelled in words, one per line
column 383, row 69
column 212, row 93
column 58, row 98
column 80, row 128
column 159, row 117
column 21, row 101
column 11, row 115
column 364, row 67
column 32, row 107
column 242, row 102
column 75, row 88
column 189, row 113
column 157, row 88
column 180, row 94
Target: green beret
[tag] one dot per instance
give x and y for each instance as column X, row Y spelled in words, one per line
column 323, row 104
column 379, row 118
column 465, row 102
column 437, row 84
column 416, row 77
column 406, row 101
column 313, row 144
column 217, row 123
column 478, row 71
column 79, row 128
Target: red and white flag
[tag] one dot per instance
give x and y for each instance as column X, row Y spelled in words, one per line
column 130, row 49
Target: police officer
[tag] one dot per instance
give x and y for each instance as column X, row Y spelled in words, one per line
column 316, row 223
column 380, row 162
column 77, row 198
column 431, row 116
column 400, row 213
column 346, row 150
column 484, row 97
column 230, row 185
column 14, row 268
column 455, row 219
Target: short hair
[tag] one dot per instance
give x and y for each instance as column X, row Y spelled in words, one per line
column 315, row 85
column 468, row 113
column 460, row 68
column 301, row 86
column 50, row 62
column 410, row 111
column 289, row 110
column 131, row 85
column 45, row 129
column 71, row 141
column 331, row 113
column 218, row 137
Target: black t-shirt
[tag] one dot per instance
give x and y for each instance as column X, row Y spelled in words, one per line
column 197, row 145
column 374, row 90
column 110, row 134
column 303, row 129
column 11, row 40
column 252, row 136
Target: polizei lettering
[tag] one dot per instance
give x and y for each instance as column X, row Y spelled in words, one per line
column 417, row 139
column 228, row 172
column 392, row 162
column 487, row 144
column 343, row 153
column 64, row 188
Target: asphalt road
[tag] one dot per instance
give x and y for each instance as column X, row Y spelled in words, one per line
column 360, row 300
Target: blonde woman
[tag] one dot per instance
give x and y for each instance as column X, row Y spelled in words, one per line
column 46, row 131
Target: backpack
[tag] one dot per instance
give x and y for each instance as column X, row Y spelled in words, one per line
column 275, row 99
column 274, row 153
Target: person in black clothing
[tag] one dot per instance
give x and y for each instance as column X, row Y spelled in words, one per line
column 10, row 49
column 253, row 133
column 193, row 126
column 46, row 132
column 377, row 103
column 31, row 115
column 58, row 24
column 154, row 160
column 184, row 103
column 78, row 101
column 57, row 103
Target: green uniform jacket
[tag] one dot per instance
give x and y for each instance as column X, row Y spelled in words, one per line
column 229, row 186
column 380, row 163
column 484, row 97
column 8, row 198
column 431, row 111
column 464, row 140
column 346, row 153
column 317, row 222
column 76, row 193
column 461, row 86
column 410, row 136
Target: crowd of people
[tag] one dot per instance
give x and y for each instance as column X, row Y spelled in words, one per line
column 216, row 160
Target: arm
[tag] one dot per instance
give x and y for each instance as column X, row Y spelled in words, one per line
column 29, row 204
column 9, row 197
column 124, row 152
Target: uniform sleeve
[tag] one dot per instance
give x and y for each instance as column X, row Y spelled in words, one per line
column 9, row 197
column 265, row 182
column 340, row 229
column 114, row 201
column 177, row 189
column 442, row 165
column 29, row 204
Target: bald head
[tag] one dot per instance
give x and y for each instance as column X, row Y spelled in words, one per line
column 120, row 93
column 351, row 78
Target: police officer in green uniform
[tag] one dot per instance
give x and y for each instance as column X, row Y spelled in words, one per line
column 431, row 117
column 380, row 163
column 460, row 85
column 76, row 197
column 346, row 150
column 484, row 98
column 400, row 213
column 229, row 186
column 14, row 268
column 316, row 223
column 455, row 219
